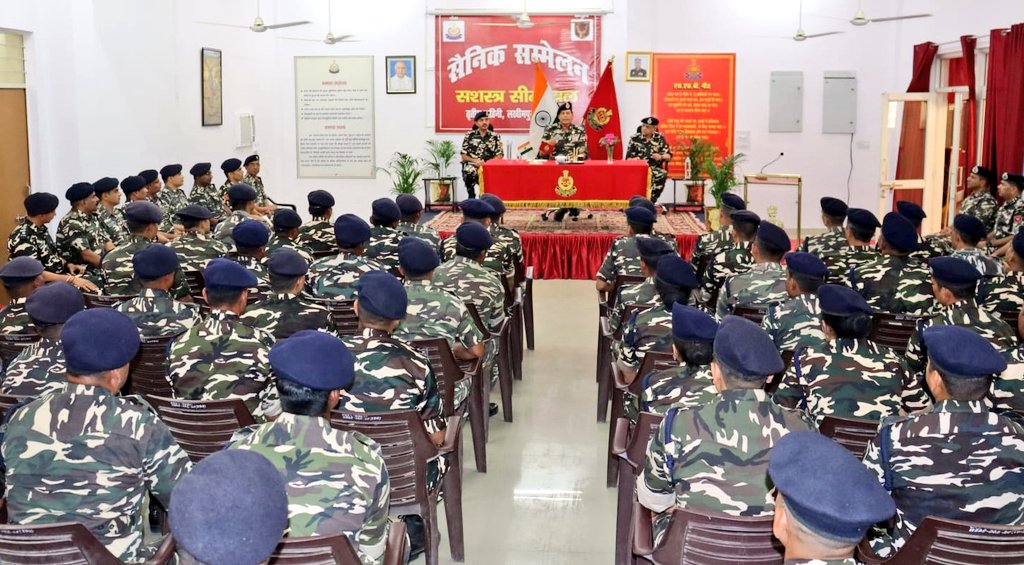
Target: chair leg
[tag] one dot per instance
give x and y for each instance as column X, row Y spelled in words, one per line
column 612, row 471
column 517, row 342
column 604, row 386
column 528, row 313
column 432, row 533
column 505, row 381
column 478, row 415
column 485, row 395
column 453, row 508
column 624, row 516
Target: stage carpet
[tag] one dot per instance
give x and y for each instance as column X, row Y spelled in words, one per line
column 574, row 250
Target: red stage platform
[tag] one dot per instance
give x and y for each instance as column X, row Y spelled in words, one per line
column 590, row 184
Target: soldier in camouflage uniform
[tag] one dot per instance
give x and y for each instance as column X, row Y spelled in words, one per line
column 252, row 178
column 765, row 282
column 336, row 481
column 980, row 203
column 714, row 457
column 285, row 311
column 409, row 225
column 384, row 235
column 566, row 139
column 481, row 144
column 846, row 375
column 205, row 193
column 243, row 207
column 172, row 198
column 466, row 277
column 134, row 188
column 80, row 239
column 1010, row 215
column 957, row 460
column 933, row 245
column 286, row 233
column 710, row 243
column 833, row 214
column 335, row 277
column 506, row 237
column 221, row 357
column 317, row 235
column 967, row 232
column 797, row 322
column 730, row 261
column 195, row 247
column 250, row 238
column 39, row 368
column 119, row 272
column 21, row 277
column 81, row 435
column 30, row 238
column 651, row 146
column 856, row 250
column 1007, row 392
column 623, row 258
column 1005, row 293
column 109, row 215
column 153, row 311
column 499, row 258
column 153, row 184
column 895, row 282
column 644, row 294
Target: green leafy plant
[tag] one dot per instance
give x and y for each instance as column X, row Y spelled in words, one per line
column 722, row 175
column 440, row 156
column 405, row 172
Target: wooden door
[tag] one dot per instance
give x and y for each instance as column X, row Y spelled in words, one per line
column 14, row 172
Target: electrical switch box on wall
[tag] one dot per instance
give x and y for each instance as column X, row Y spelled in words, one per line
column 786, row 102
column 839, row 106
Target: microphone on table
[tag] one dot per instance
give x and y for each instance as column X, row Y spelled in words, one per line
column 760, row 174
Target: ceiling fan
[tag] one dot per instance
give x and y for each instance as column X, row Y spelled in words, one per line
column 859, row 19
column 522, row 21
column 331, row 39
column 258, row 24
column 801, row 36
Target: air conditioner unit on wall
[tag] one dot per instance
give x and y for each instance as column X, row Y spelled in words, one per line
column 246, row 130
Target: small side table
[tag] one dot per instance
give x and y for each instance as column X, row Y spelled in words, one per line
column 428, row 203
column 687, row 206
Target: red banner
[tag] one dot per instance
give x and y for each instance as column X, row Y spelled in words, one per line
column 602, row 118
column 486, row 63
column 693, row 95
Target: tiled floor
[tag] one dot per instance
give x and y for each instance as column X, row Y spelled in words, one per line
column 543, row 500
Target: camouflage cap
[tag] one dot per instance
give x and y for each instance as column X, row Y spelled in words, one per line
column 408, row 204
column 476, row 208
column 286, row 219
column 351, row 230
column 385, row 210
column 149, row 175
column 54, row 303
column 143, row 212
column 98, row 340
column 382, row 294
column 962, row 353
column 21, row 269
column 155, row 261
column 287, row 263
column 79, row 191
column 230, row 509
column 105, row 184
column 39, row 203
column 473, row 236
column 676, row 271
column 132, row 184
column 745, row 348
column 689, row 323
column 314, row 359
column 417, row 257
column 225, row 273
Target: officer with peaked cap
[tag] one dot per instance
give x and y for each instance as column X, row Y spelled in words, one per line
column 39, row 370
column 285, row 311
column 708, row 244
column 764, row 283
column 479, row 145
column 1010, row 215
column 895, row 282
column 833, row 214
column 153, row 309
column 317, row 235
column 1005, row 293
column 979, row 201
column 562, row 138
column 467, row 278
column 205, row 192
column 797, row 321
column 335, row 277
column 409, row 225
column 710, row 458
column 384, row 235
column 264, row 205
column 649, row 145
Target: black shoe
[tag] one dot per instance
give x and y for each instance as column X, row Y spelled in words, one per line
column 417, row 535
column 492, row 409
column 560, row 214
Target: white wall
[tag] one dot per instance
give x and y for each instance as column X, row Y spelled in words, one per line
column 114, row 84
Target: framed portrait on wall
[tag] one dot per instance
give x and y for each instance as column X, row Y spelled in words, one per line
column 401, row 73
column 212, row 87
column 638, row 66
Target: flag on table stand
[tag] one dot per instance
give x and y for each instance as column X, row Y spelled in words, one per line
column 541, row 113
column 602, row 117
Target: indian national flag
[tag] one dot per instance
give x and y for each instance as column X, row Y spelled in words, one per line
column 542, row 114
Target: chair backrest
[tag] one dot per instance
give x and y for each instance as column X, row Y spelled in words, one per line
column 652, row 361
column 343, row 315
column 12, row 344
column 1010, row 317
column 202, row 427
column 64, row 543
column 506, row 285
column 627, row 313
column 103, row 301
column 715, row 539
column 621, row 282
column 893, row 330
column 6, row 402
column 753, row 313
column 941, row 541
column 446, row 370
column 315, row 550
column 324, row 254
column 636, row 450
column 405, row 447
column 854, row 435
column 195, row 281
column 148, row 376
column 475, row 314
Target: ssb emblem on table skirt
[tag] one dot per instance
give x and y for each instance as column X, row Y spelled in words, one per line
column 566, row 185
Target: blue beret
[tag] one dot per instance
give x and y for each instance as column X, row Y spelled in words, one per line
column 676, row 271
column 250, row 233
column 230, row 509
column 899, row 232
column 200, row 169
column 476, row 208
column 155, row 261
column 911, row 211
column 863, row 218
column 841, row 301
column 54, row 303
column 745, row 217
column 479, row 115
column 689, row 323
column 408, row 204
column 320, row 198
column 21, row 268
column 745, row 348
column 640, row 215
column 286, row 218
column 143, row 212
column 826, row 488
column 105, row 184
column 1016, row 180
column 733, row 201
column 351, row 230
column 962, row 352
column 382, row 294
column 97, row 340
column 225, row 273
column 833, row 206
column 385, row 210
column 168, row 171
column 194, row 212
column 417, row 257
column 953, row 270
column 651, row 247
column 473, row 236
column 230, row 165
column 773, row 236
column 251, row 159
column 496, row 202
column 806, row 264
column 149, row 175
column 970, row 226
column 39, row 203
column 644, row 203
column 1018, row 244
column 79, row 191
column 132, row 184
column 314, row 359
column 241, row 192
column 287, row 263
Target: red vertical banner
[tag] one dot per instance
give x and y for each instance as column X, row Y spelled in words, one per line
column 602, row 117
column 693, row 95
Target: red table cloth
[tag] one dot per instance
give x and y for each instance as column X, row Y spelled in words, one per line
column 590, row 184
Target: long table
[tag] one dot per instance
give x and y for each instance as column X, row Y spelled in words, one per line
column 590, row 184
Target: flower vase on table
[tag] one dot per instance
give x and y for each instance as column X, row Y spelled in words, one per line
column 609, row 142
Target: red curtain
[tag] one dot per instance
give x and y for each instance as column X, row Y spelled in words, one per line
column 1003, row 145
column 968, row 43
column 924, row 54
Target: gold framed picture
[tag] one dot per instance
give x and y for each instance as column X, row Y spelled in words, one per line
column 638, row 66
column 212, row 87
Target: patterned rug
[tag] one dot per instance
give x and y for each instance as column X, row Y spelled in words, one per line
column 527, row 220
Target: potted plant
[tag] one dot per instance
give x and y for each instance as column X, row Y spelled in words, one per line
column 723, row 178
column 696, row 153
column 405, row 172
column 440, row 156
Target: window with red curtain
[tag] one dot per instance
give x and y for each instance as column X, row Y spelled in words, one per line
column 910, row 159
column 1003, row 144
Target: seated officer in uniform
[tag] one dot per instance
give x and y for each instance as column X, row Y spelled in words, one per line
column 409, row 225
column 154, row 311
column 143, row 219
column 957, row 459
column 764, row 283
column 651, row 250
column 967, row 232
column 797, row 321
column 39, row 368
column 894, row 281
column 714, row 457
column 250, row 238
column 102, row 452
column 623, row 258
column 1010, row 215
column 708, row 243
column 205, row 193
column 384, row 235
column 336, row 480
column 1005, row 293
column 467, row 278
column 232, row 508
column 31, row 238
column 825, row 500
column 833, row 214
column 317, row 235
column 335, row 277
column 730, row 260
column 286, row 224
column 242, row 199
column 932, row 245
column 498, row 258
column 21, row 277
column 286, row 311
column 856, row 249
column 196, row 246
